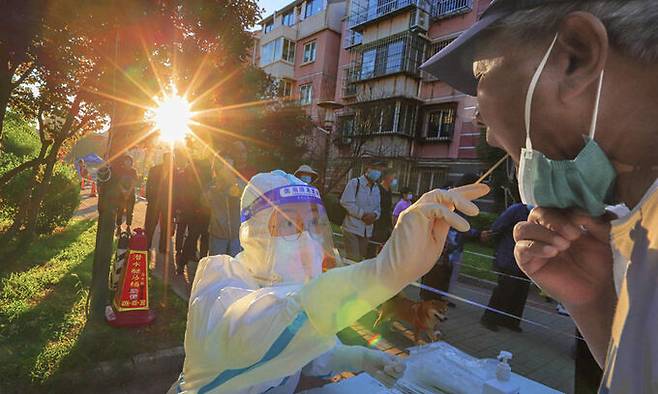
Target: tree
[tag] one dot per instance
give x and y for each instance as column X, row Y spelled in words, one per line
column 63, row 108
column 20, row 25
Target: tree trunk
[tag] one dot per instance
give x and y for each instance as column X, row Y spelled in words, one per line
column 39, row 192
column 5, row 93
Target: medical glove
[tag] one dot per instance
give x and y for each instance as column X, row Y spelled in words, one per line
column 339, row 297
column 359, row 358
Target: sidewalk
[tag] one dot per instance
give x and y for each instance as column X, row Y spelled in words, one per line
column 541, row 354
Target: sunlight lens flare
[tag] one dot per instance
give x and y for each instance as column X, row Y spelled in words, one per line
column 172, row 118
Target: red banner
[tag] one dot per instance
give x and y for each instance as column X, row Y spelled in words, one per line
column 133, row 289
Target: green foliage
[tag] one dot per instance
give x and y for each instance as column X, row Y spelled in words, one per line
column 20, row 143
column 44, row 333
column 21, row 140
column 61, row 201
column 483, row 221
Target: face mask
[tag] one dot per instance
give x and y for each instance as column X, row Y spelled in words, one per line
column 584, row 182
column 394, row 183
column 374, row 175
column 297, row 260
column 306, row 178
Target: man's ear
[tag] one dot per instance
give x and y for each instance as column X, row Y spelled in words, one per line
column 582, row 48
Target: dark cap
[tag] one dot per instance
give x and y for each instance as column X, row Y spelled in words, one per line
column 454, row 63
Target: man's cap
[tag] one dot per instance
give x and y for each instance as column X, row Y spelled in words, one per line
column 454, row 63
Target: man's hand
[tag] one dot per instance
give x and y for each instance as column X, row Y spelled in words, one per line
column 568, row 255
column 369, row 218
column 486, row 235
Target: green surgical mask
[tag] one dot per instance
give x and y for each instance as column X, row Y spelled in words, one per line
column 585, row 182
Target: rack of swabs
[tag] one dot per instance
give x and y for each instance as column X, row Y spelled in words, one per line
column 460, row 299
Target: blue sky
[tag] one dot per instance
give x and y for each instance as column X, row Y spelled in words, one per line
column 271, row 5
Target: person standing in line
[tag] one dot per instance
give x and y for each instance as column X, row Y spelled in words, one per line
column 157, row 197
column 306, row 174
column 127, row 179
column 383, row 225
column 83, row 172
column 457, row 239
column 405, row 202
column 361, row 200
column 222, row 197
column 511, row 292
column 194, row 213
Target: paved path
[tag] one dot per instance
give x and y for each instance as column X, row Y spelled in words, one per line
column 541, row 354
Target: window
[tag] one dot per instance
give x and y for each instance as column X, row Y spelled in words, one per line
column 288, row 53
column 278, row 49
column 285, row 88
column 394, row 57
column 288, row 18
column 388, row 118
column 353, row 38
column 346, row 126
column 313, row 7
column 268, row 27
column 368, row 63
column 435, row 47
column 309, row 52
column 306, row 94
column 441, row 122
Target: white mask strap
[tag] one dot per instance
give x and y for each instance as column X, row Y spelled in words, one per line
column 531, row 91
column 595, row 115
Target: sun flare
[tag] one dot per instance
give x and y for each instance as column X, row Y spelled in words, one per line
column 172, row 118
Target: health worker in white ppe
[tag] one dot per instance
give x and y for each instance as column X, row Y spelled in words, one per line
column 256, row 321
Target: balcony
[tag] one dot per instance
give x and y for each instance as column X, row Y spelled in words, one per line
column 447, row 8
column 400, row 53
column 367, row 11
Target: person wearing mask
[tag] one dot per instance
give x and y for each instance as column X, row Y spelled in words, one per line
column 511, row 292
column 456, row 239
column 157, row 197
column 223, row 200
column 258, row 321
column 406, row 197
column 383, row 225
column 306, row 174
column 583, row 63
column 127, row 179
column 195, row 213
column 362, row 201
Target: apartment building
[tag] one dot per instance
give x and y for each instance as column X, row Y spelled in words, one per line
column 390, row 110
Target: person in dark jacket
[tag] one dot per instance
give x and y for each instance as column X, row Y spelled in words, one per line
column 383, row 225
column 512, row 290
column 157, row 196
column 194, row 213
column 126, row 175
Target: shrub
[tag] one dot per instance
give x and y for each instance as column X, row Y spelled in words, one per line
column 20, row 143
column 61, row 200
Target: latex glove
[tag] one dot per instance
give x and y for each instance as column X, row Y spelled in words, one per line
column 359, row 358
column 339, row 297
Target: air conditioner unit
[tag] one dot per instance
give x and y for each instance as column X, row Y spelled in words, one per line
column 420, row 20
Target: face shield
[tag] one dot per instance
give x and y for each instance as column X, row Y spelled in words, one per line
column 286, row 236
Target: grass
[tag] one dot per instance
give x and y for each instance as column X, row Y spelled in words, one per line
column 44, row 332
column 477, row 265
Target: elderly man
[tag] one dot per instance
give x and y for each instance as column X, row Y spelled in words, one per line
column 588, row 141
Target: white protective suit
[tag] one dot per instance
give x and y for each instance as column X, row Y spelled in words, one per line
column 254, row 322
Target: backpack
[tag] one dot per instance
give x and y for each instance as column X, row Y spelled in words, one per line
column 340, row 212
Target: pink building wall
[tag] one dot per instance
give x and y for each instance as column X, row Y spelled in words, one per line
column 322, row 72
